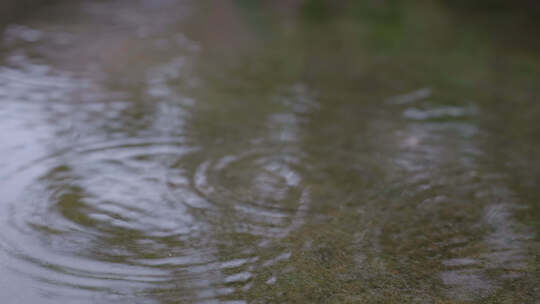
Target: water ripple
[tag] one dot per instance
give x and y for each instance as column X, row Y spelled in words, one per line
column 129, row 214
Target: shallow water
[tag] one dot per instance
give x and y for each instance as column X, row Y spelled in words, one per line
column 180, row 151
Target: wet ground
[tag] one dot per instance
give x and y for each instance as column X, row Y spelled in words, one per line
column 176, row 151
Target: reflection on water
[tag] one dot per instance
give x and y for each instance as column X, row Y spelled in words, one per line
column 296, row 151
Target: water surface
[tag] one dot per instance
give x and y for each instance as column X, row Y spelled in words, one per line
column 180, row 151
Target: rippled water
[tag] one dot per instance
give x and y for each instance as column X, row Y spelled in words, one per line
column 179, row 151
